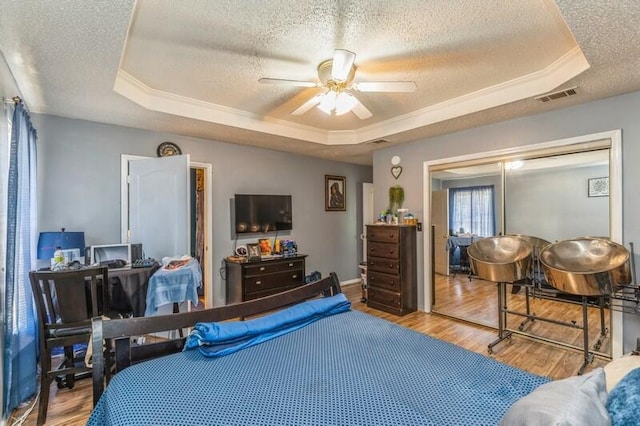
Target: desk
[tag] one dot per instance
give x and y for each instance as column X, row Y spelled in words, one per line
column 173, row 286
column 459, row 242
column 462, row 240
column 128, row 289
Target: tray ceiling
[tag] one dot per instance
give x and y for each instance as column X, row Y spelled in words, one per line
column 192, row 67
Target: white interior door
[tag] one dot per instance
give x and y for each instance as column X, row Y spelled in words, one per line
column 440, row 222
column 367, row 215
column 159, row 205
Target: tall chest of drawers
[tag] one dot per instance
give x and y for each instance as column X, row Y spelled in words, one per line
column 251, row 280
column 391, row 268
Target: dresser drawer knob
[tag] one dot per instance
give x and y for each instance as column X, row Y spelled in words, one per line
column 262, row 268
column 391, row 265
column 291, row 265
column 258, row 282
column 294, row 276
column 391, row 251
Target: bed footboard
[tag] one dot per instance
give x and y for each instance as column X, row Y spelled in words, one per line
column 121, row 330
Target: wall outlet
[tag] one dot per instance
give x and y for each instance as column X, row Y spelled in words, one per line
column 419, row 226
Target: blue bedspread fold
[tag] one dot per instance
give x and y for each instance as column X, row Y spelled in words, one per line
column 217, row 339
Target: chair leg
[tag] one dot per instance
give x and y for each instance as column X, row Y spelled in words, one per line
column 45, row 386
column 69, row 361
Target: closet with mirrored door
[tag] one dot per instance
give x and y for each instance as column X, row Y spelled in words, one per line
column 547, row 194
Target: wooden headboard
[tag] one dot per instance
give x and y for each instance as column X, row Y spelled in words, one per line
column 121, row 330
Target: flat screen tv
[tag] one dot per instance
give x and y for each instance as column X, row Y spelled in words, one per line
column 262, row 213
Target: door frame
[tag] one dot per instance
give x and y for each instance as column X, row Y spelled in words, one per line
column 615, row 208
column 207, row 278
column 368, row 215
column 438, row 238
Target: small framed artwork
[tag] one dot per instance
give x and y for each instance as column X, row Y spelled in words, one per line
column 598, row 187
column 253, row 252
column 335, row 196
column 265, row 246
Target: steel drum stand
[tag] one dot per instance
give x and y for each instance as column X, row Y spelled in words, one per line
column 505, row 333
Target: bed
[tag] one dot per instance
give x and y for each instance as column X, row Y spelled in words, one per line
column 342, row 368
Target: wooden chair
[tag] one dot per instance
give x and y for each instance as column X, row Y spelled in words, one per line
column 65, row 303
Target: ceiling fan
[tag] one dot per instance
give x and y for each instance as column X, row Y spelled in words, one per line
column 336, row 78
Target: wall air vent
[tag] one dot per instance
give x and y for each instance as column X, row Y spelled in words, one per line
column 557, row 95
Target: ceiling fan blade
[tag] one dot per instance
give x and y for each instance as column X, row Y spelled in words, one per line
column 342, row 63
column 385, row 86
column 361, row 111
column 282, row 82
column 307, row 105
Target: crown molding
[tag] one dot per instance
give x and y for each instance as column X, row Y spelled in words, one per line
column 562, row 70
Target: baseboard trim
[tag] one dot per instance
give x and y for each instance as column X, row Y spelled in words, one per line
column 351, row 282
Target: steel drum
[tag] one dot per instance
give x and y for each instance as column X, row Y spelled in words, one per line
column 537, row 243
column 500, row 259
column 586, row 266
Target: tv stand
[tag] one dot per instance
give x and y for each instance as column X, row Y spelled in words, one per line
column 251, row 280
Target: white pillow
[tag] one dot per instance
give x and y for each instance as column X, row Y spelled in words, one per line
column 618, row 368
column 578, row 400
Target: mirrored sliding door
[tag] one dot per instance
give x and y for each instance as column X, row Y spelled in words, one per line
column 546, row 195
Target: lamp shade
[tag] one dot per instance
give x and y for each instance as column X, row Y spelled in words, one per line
column 48, row 242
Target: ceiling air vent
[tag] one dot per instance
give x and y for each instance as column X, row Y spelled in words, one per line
column 378, row 142
column 557, row 95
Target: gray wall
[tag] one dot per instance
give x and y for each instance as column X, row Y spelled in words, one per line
column 79, row 189
column 551, row 204
column 620, row 112
column 555, row 205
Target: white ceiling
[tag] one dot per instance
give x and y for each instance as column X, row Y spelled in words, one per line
column 192, row 67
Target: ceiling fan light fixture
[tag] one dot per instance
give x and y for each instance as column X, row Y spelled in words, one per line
column 337, row 103
column 336, row 76
column 328, row 102
column 344, row 103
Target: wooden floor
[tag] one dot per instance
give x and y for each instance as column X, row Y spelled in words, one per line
column 73, row 406
column 476, row 300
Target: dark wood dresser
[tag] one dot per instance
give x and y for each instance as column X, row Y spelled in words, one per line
column 251, row 280
column 391, row 268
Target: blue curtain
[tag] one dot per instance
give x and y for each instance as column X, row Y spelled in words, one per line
column 472, row 210
column 20, row 333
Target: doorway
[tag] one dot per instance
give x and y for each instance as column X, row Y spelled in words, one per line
column 519, row 193
column 204, row 213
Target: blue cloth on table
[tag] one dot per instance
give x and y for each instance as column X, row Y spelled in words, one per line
column 224, row 338
column 460, row 240
column 173, row 286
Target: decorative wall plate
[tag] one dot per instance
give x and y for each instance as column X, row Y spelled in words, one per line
column 167, row 149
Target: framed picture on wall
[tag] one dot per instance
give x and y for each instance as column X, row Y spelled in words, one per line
column 335, row 196
column 598, row 187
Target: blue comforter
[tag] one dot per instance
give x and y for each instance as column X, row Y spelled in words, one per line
column 223, row 338
column 345, row 369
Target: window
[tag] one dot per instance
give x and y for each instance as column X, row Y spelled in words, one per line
column 471, row 210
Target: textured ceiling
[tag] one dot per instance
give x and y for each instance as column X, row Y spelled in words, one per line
column 192, row 67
